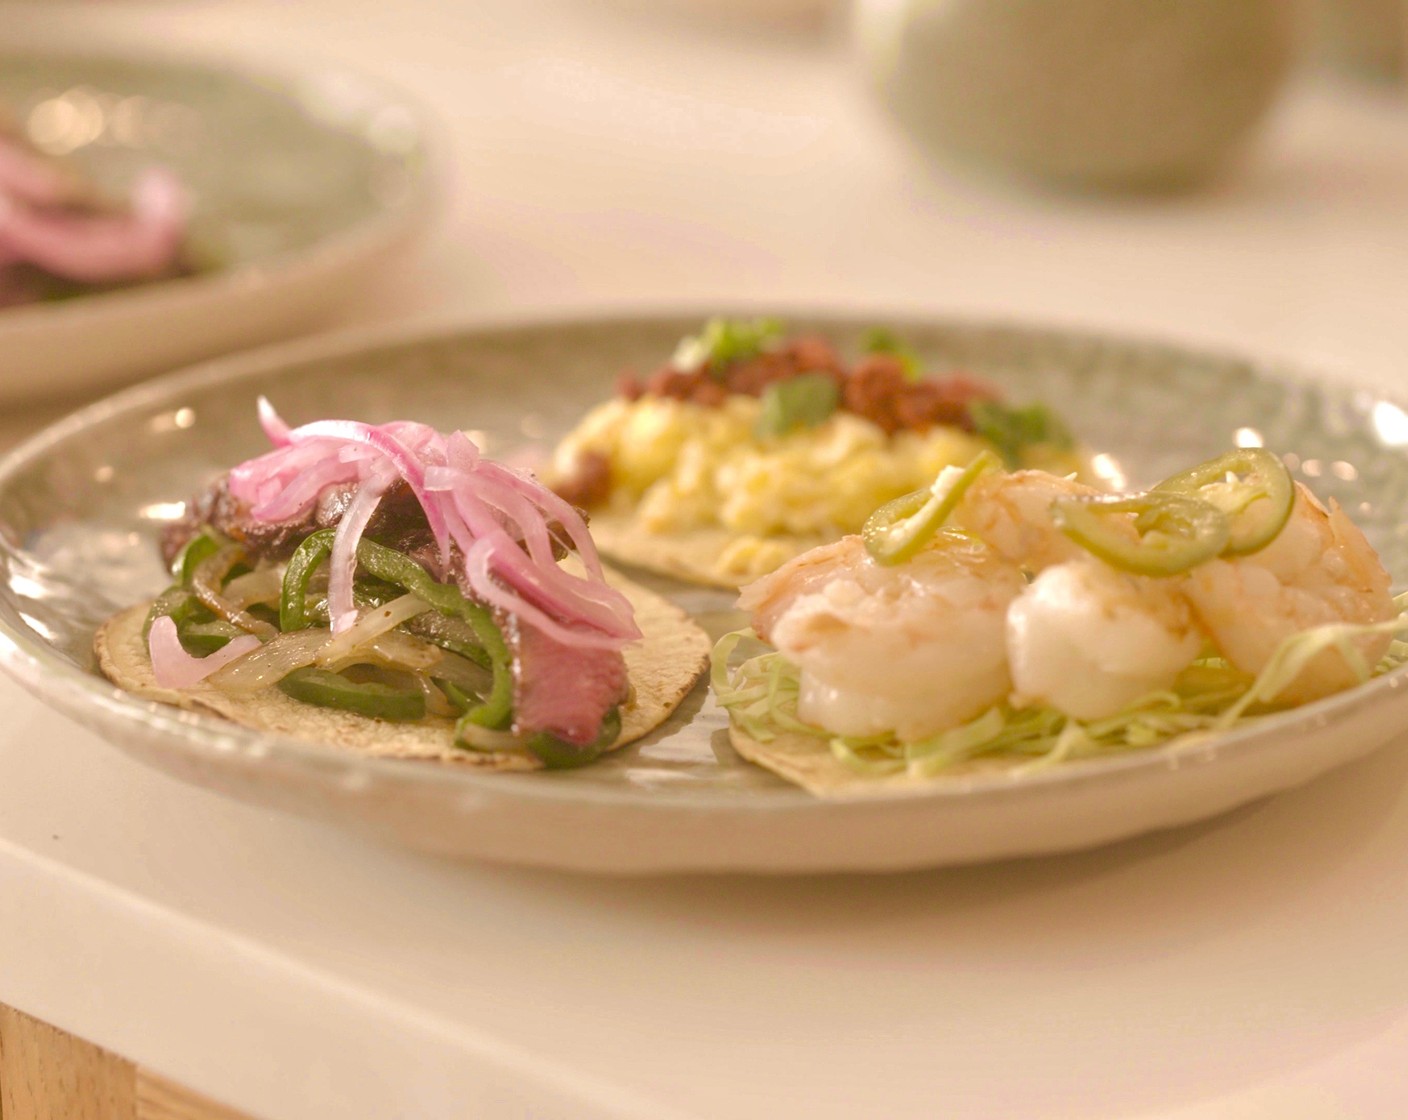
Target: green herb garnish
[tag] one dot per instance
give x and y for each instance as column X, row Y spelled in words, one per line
column 725, row 341
column 1013, row 429
column 878, row 340
column 803, row 401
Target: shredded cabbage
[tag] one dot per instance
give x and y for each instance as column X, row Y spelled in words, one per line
column 760, row 694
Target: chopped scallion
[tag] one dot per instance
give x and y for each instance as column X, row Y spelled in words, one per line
column 1012, row 429
column 879, row 340
column 804, row 401
column 725, row 341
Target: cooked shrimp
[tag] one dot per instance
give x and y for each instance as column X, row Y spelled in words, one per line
column 1012, row 514
column 1089, row 640
column 1320, row 569
column 919, row 647
column 915, row 648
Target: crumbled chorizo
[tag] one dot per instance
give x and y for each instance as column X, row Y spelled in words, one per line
column 710, row 394
column 628, row 387
column 589, row 484
column 873, row 389
column 814, row 355
column 878, row 388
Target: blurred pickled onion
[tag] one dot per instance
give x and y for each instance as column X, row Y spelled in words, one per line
column 94, row 246
column 28, row 177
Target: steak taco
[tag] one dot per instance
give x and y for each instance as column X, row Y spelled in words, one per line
column 389, row 589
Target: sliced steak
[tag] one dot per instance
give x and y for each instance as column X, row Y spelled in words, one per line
column 398, row 523
column 561, row 690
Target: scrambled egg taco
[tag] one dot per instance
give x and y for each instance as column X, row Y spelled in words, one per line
column 1016, row 620
column 386, row 588
column 748, row 447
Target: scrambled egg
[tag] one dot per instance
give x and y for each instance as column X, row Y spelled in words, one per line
column 679, row 466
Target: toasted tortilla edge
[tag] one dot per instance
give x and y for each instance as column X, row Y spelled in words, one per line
column 662, row 669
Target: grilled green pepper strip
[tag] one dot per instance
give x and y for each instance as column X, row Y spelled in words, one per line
column 1172, row 533
column 202, row 546
column 555, row 753
column 202, row 638
column 457, row 696
column 395, row 567
column 494, row 711
column 1250, row 485
column 558, row 754
column 306, row 559
column 899, row 529
column 376, row 699
column 211, row 573
column 310, row 555
column 449, row 633
column 179, row 605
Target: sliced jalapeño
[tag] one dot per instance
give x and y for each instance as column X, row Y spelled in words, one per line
column 1154, row 534
column 1250, row 485
column 900, row 528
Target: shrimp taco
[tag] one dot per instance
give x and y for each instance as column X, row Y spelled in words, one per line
column 1016, row 620
column 388, row 589
column 748, row 447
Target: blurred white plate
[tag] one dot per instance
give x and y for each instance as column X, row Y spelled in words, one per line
column 305, row 186
column 82, row 504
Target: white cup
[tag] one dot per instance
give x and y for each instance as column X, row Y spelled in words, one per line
column 1107, row 94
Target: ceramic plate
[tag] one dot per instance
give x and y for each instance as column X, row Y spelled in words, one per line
column 304, row 187
column 81, row 505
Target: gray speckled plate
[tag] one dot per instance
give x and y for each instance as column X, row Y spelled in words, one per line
column 304, row 186
column 81, row 505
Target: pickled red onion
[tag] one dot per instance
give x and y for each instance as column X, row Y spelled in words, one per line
column 29, row 177
column 173, row 667
column 100, row 248
column 499, row 519
column 342, row 609
column 272, row 423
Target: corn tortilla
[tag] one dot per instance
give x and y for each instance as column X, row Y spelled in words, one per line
column 691, row 555
column 662, row 668
column 807, row 761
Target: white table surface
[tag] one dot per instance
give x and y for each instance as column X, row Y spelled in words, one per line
column 1254, row 966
